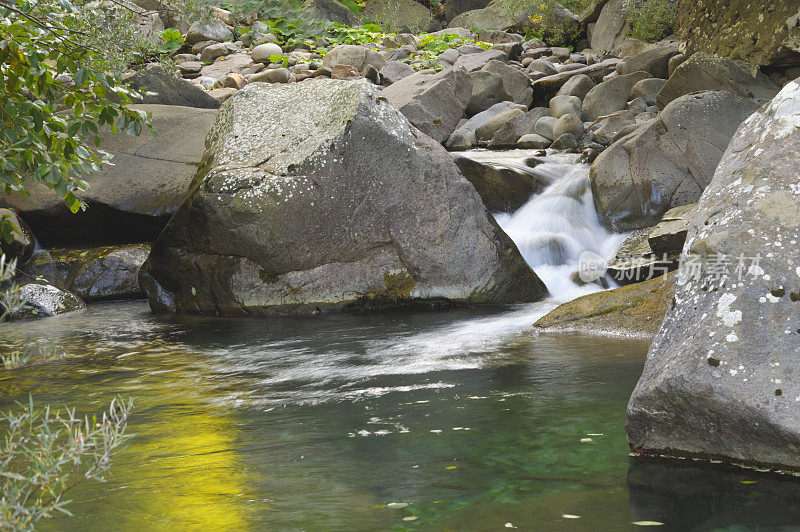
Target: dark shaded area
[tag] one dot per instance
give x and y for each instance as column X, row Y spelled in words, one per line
column 98, row 224
column 694, row 496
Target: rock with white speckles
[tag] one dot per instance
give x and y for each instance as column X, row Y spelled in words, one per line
column 721, row 378
column 322, row 196
column 666, row 162
column 45, row 300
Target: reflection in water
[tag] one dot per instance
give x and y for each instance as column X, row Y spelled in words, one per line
column 459, row 418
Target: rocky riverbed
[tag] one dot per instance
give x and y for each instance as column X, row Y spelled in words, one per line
column 296, row 179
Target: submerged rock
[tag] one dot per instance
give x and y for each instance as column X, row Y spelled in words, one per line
column 720, row 377
column 322, row 196
column 634, row 311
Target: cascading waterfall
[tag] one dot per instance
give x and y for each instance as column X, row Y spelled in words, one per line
column 553, row 228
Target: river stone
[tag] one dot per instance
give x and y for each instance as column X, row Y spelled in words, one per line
column 719, row 380
column 655, row 61
column 568, row 124
column 263, row 52
column 394, row 71
column 610, row 96
column 400, row 16
column 476, row 61
column 169, row 90
column 632, row 311
column 501, row 189
column 356, row 56
column 322, row 196
column 94, row 274
column 132, row 200
column 516, row 16
column 647, row 89
column 333, row 11
column 22, row 242
column 434, row 102
column 45, row 300
column 611, row 28
column 485, row 131
column 546, row 87
column 611, row 126
column 703, row 72
column 667, row 162
column 452, row 8
column 544, row 127
column 561, row 105
column 487, row 90
column 578, row 86
column 761, row 35
column 533, row 141
column 515, row 83
column 565, row 141
column 508, row 135
column 668, row 237
column 272, row 75
column 635, row 262
column 215, row 30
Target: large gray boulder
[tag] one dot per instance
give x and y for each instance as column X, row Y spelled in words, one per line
column 704, row 72
column 761, row 34
column 169, row 90
column 452, row 8
column 501, row 189
column 322, row 196
column 400, row 16
column 132, row 200
column 544, row 88
column 654, row 61
column 487, row 90
column 513, row 15
column 214, row 30
column 667, row 162
column 508, row 135
column 434, row 102
column 515, row 83
column 720, row 378
column 478, row 60
column 612, row 26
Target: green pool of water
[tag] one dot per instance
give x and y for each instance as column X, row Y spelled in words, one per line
column 459, row 420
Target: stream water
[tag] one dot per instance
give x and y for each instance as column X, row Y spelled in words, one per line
column 457, row 420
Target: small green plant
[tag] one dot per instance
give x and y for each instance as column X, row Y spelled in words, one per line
column 283, row 59
column 45, row 453
column 10, row 299
column 172, row 41
column 43, row 352
column 651, row 20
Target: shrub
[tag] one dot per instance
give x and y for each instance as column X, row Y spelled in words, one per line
column 46, row 453
column 651, row 20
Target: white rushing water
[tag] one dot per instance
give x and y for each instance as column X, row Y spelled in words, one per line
column 551, row 231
